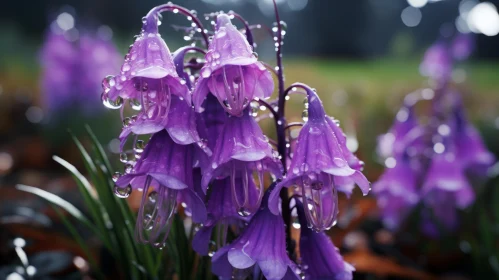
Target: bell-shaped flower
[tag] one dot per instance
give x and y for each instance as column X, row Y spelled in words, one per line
column 240, row 151
column 71, row 71
column 232, row 72
column 222, row 212
column 462, row 46
column 437, row 62
column 58, row 59
column 148, row 79
column 318, row 160
column 180, row 122
column 164, row 173
column 345, row 184
column 320, row 259
column 401, row 136
column 262, row 243
column 471, row 150
column 446, row 189
column 396, row 192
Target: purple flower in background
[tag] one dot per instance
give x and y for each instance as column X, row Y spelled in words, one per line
column 471, row 150
column 242, row 149
column 166, row 168
column 232, row 72
column 58, row 59
column 262, row 243
column 97, row 58
column 72, row 70
column 437, row 62
column 317, row 161
column 396, row 192
column 462, row 46
column 320, row 258
column 404, row 131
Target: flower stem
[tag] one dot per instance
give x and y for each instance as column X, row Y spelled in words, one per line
column 153, row 13
column 281, row 134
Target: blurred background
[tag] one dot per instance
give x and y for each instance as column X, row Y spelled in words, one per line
column 362, row 57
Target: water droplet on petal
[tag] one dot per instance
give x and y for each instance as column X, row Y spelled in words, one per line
column 122, row 192
column 123, row 157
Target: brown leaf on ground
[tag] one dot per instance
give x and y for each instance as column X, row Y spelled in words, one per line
column 367, row 262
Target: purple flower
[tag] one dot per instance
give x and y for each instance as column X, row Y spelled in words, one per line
column 166, row 169
column 396, row 192
column 262, row 243
column 180, row 122
column 232, row 72
column 222, row 211
column 462, row 46
column 58, row 59
column 446, row 188
column 317, row 161
column 320, row 258
column 242, row 149
column 437, row 62
column 401, row 136
column 149, row 80
column 471, row 150
column 71, row 71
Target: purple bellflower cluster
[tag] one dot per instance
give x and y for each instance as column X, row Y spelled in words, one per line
column 427, row 162
column 71, row 63
column 207, row 152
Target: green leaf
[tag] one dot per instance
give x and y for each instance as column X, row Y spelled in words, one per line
column 56, row 200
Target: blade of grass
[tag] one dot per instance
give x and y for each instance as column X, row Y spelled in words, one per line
column 106, row 173
column 126, row 253
column 96, row 210
column 56, row 200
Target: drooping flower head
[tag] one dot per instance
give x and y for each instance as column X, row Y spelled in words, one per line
column 396, row 192
column 232, row 72
column 148, row 79
column 222, row 212
column 240, row 151
column 437, row 62
column 402, row 134
column 320, row 258
column 262, row 243
column 164, row 173
column 470, row 148
column 317, row 161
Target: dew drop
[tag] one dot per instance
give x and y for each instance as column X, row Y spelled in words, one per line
column 304, row 115
column 135, row 104
column 139, row 146
column 116, row 176
column 125, row 67
column 206, row 72
column 227, row 104
column 123, row 157
column 243, row 212
column 122, row 192
column 126, row 122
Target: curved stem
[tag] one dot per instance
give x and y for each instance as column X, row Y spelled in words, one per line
column 153, row 13
column 267, row 105
column 178, row 59
column 249, row 35
column 293, row 124
column 270, row 68
column 262, row 26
